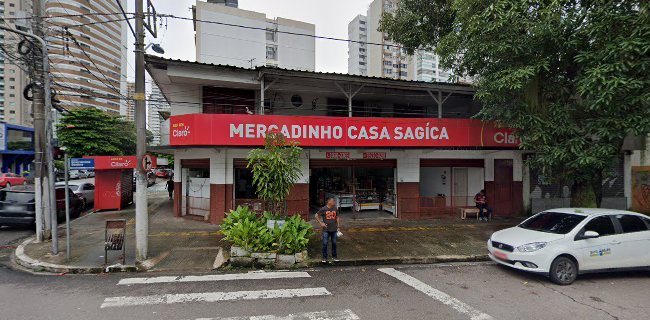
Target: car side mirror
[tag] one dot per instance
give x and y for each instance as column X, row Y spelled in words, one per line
column 590, row 235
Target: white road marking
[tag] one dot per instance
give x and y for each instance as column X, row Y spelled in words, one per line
column 437, row 294
column 320, row 315
column 216, row 277
column 212, row 297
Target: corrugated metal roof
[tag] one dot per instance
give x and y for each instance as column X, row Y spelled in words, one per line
column 156, row 59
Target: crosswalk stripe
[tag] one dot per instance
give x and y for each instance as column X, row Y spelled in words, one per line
column 319, row 315
column 215, row 277
column 212, row 297
column 437, row 294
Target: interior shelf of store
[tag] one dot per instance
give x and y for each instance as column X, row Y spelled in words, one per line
column 367, row 199
column 388, row 204
column 343, row 200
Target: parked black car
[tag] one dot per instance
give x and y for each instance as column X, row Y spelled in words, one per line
column 18, row 205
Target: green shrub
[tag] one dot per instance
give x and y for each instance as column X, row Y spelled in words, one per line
column 243, row 228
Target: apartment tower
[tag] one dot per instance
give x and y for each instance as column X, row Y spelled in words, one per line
column 89, row 64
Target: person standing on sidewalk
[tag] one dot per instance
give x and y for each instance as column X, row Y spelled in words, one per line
column 329, row 223
column 170, row 187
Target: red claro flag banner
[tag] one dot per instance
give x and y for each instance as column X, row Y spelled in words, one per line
column 316, row 131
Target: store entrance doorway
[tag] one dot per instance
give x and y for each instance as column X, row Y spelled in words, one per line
column 362, row 189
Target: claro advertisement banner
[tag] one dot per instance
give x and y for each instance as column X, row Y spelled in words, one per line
column 250, row 130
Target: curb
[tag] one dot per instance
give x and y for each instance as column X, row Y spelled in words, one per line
column 404, row 260
column 20, row 258
column 37, row 266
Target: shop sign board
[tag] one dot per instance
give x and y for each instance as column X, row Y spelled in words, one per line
column 81, row 164
column 374, row 155
column 318, row 131
column 337, row 155
column 114, row 162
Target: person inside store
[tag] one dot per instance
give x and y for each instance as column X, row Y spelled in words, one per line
column 484, row 212
column 170, row 187
column 329, row 223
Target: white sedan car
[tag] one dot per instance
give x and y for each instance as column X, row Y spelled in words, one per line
column 563, row 243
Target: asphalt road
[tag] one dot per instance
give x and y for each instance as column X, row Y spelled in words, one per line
column 462, row 291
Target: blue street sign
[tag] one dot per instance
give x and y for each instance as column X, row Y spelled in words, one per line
column 81, row 163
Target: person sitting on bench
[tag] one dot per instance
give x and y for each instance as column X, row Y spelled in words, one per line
column 485, row 212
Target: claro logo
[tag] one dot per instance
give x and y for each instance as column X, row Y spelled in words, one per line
column 505, row 138
column 118, row 164
column 181, row 132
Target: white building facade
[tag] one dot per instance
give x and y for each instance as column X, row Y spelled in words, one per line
column 385, row 58
column 275, row 42
column 156, row 107
column 357, row 47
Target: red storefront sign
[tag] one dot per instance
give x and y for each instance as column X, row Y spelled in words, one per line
column 374, row 155
column 114, row 162
column 249, row 130
column 337, row 155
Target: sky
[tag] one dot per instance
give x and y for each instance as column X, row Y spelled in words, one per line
column 331, row 18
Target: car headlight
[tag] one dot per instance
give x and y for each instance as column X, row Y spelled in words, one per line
column 530, row 247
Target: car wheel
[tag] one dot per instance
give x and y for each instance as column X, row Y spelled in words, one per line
column 83, row 203
column 564, row 271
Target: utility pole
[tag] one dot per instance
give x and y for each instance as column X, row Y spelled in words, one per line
column 141, row 206
column 46, row 222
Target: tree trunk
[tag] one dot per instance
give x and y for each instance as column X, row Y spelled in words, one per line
column 583, row 195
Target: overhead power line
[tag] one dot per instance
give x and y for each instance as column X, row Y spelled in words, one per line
column 163, row 15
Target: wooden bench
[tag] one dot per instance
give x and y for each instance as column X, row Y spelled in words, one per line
column 465, row 211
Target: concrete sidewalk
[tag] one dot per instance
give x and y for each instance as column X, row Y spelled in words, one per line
column 183, row 244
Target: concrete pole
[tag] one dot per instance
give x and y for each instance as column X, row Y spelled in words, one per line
column 141, row 206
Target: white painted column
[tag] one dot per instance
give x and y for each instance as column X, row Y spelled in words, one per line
column 304, row 162
column 408, row 167
column 218, row 167
column 177, row 167
column 526, row 185
column 489, row 168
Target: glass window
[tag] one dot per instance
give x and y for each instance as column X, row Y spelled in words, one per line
column 631, row 223
column 603, row 225
column 553, row 222
column 17, row 197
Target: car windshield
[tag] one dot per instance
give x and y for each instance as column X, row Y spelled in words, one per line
column 553, row 222
column 17, row 197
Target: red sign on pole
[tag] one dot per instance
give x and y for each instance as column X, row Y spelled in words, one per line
column 337, row 155
column 250, row 130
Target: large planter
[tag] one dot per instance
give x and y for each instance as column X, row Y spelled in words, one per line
column 242, row 258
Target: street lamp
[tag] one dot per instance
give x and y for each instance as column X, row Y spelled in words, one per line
column 155, row 47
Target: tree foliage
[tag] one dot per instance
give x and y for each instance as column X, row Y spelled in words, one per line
column 90, row 131
column 572, row 75
column 276, row 168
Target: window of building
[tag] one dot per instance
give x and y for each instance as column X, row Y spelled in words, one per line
column 12, row 5
column 12, row 79
column 12, row 111
column 12, row 70
column 362, row 22
column 362, row 56
column 361, row 63
column 272, row 52
column 271, row 35
column 12, row 87
column 395, row 65
column 603, row 225
column 11, row 95
column 403, row 65
column 362, row 50
column 631, row 223
column 403, row 74
column 362, row 29
column 388, row 71
column 388, row 63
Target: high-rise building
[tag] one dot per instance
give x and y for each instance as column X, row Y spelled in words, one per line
column 88, row 65
column 383, row 57
column 14, row 108
column 129, row 113
column 267, row 43
column 156, row 108
column 357, row 47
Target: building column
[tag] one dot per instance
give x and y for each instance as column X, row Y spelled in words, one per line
column 408, row 186
column 489, row 178
column 518, row 200
column 178, row 187
column 298, row 199
column 220, row 199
